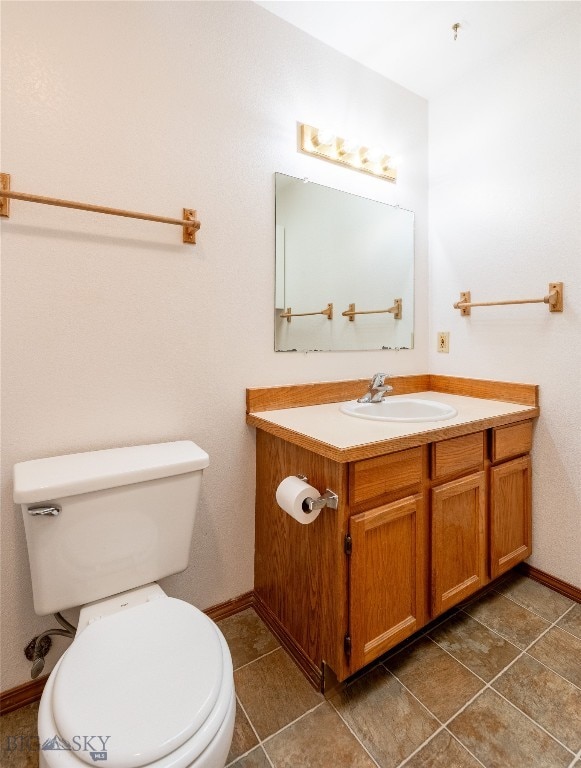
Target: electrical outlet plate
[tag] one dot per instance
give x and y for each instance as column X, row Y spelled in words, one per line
column 443, row 341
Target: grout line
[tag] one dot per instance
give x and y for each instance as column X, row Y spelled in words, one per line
column 262, row 742
column 530, row 610
column 442, row 729
column 496, row 631
column 458, row 660
column 265, row 753
column 300, row 717
column 354, row 734
column 443, row 724
column 242, row 707
column 490, row 629
column 239, row 703
column 422, row 745
column 530, row 655
column 248, row 663
column 466, row 748
column 245, row 754
column 429, row 711
column 530, row 645
column 534, row 722
column 572, row 634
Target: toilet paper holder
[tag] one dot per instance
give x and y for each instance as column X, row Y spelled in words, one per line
column 327, row 499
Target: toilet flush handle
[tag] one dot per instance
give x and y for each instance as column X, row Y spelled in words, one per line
column 51, row 511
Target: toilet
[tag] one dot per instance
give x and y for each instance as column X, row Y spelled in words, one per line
column 148, row 679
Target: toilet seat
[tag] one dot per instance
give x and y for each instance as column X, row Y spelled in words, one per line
column 156, row 679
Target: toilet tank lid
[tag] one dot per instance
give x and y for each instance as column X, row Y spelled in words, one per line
column 60, row 476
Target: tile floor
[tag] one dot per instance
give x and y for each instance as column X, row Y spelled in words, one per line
column 496, row 684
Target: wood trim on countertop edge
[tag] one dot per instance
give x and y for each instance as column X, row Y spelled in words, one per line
column 390, row 445
column 29, row 693
column 318, row 393
column 557, row 585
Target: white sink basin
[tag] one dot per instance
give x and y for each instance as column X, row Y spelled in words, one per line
column 400, row 409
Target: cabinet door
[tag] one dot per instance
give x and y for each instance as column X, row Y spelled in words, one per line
column 386, row 583
column 458, row 540
column 510, row 514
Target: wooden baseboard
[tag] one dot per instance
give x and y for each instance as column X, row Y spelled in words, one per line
column 231, row 607
column 313, row 674
column 28, row 693
column 21, row 695
column 558, row 585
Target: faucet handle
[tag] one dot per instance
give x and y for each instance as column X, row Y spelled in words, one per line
column 378, row 380
column 377, row 388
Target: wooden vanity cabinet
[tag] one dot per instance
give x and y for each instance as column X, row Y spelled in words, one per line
column 416, row 532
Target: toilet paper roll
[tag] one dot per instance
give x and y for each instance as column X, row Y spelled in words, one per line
column 290, row 495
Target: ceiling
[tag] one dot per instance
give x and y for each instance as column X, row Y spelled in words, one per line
column 412, row 41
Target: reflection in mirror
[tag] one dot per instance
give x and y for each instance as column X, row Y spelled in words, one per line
column 344, row 270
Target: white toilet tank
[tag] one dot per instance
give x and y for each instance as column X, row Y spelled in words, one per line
column 125, row 518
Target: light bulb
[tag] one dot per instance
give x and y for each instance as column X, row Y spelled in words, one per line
column 375, row 155
column 323, row 137
column 348, row 147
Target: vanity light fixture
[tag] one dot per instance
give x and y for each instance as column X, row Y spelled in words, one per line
column 327, row 146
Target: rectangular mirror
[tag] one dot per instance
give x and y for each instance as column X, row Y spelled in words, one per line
column 335, row 253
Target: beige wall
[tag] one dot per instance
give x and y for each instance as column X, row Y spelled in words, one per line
column 505, row 205
column 114, row 332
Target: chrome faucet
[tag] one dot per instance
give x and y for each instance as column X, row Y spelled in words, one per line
column 377, row 389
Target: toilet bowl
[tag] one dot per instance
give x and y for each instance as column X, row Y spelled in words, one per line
column 148, row 681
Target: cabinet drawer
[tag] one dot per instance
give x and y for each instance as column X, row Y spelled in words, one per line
column 514, row 440
column 457, row 455
column 373, row 478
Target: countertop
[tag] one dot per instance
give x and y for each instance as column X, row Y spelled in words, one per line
column 336, row 435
